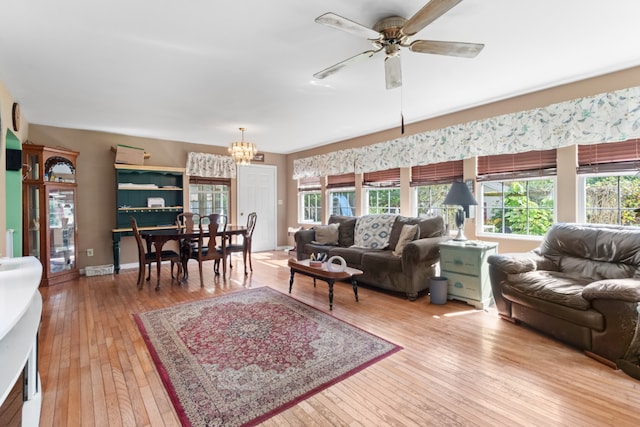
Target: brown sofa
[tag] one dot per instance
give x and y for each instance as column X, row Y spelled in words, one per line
column 408, row 273
column 581, row 286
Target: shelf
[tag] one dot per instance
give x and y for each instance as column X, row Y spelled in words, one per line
column 152, row 189
column 145, row 209
column 160, row 169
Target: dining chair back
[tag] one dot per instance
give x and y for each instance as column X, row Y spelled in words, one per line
column 245, row 246
column 147, row 257
column 186, row 221
column 207, row 247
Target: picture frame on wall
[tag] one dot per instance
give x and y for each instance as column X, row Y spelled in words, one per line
column 258, row 157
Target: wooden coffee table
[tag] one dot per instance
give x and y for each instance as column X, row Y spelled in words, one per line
column 324, row 274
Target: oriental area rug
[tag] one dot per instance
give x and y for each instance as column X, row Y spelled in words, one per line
column 240, row 358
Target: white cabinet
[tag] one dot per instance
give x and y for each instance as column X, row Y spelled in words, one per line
column 465, row 266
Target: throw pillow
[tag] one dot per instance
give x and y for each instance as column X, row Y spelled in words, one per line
column 408, row 234
column 373, row 231
column 326, row 234
column 347, row 228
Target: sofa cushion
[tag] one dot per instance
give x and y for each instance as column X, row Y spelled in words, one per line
column 352, row 255
column 429, row 227
column 373, row 231
column 408, row 234
column 552, row 286
column 346, row 230
column 400, row 222
column 381, row 263
column 327, row 234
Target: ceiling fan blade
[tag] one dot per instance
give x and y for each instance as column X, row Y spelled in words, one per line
column 393, row 71
column 425, row 16
column 340, row 23
column 464, row 50
column 340, row 65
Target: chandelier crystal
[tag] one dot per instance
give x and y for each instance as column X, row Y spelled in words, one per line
column 242, row 152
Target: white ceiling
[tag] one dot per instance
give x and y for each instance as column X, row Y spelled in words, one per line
column 197, row 70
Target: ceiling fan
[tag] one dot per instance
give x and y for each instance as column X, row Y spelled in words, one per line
column 392, row 33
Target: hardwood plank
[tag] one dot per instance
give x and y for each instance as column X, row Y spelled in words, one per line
column 459, row 366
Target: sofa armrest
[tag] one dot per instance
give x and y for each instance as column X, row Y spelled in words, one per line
column 516, row 263
column 616, row 289
column 302, row 237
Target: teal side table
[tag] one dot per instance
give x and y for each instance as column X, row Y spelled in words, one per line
column 465, row 266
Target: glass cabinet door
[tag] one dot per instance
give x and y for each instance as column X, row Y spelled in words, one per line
column 32, row 207
column 61, row 229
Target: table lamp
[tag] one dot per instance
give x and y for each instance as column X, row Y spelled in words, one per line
column 460, row 195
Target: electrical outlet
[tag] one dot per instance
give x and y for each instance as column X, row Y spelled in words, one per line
column 89, row 252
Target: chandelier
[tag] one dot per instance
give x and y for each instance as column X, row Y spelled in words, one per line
column 242, row 152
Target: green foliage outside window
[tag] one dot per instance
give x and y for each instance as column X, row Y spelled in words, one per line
column 612, row 199
column 519, row 207
column 383, row 201
column 431, row 202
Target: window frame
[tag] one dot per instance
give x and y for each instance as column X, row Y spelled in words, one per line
column 379, row 189
column 215, row 182
column 330, row 196
column 302, row 207
column 481, row 209
column 582, row 191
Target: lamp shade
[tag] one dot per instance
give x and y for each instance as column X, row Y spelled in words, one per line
column 459, row 194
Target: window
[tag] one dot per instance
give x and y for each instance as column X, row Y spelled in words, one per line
column 431, row 184
column 311, row 207
column 610, row 182
column 209, row 195
column 342, row 202
column 517, row 192
column 342, row 194
column 611, row 199
column 518, row 207
column 309, row 200
column 383, row 191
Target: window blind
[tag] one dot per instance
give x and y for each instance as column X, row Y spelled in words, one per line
column 609, row 157
column 519, row 165
column 387, row 178
column 209, row 181
column 436, row 173
column 340, row 181
column 309, row 184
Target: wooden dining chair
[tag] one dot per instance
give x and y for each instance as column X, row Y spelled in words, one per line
column 207, row 247
column 245, row 246
column 146, row 258
column 186, row 223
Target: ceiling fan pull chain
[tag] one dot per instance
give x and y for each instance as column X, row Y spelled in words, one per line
column 401, row 111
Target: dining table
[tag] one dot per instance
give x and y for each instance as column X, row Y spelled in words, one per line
column 159, row 237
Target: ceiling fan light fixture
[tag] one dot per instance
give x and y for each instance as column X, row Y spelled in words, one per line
column 242, row 152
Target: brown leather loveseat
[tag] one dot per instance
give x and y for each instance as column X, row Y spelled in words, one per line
column 581, row 286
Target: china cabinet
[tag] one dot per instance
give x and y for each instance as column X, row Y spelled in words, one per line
column 49, row 211
column 153, row 195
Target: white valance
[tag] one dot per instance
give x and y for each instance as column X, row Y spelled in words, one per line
column 210, row 165
column 607, row 117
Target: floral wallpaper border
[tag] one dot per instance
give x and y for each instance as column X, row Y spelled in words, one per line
column 606, row 117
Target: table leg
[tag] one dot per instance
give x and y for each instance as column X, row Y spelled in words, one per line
column 158, row 245
column 291, row 280
column 116, row 252
column 355, row 288
column 330, row 294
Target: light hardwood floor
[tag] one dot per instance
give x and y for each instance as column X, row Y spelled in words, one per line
column 459, row 366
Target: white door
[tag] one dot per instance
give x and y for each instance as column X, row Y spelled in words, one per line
column 257, row 193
